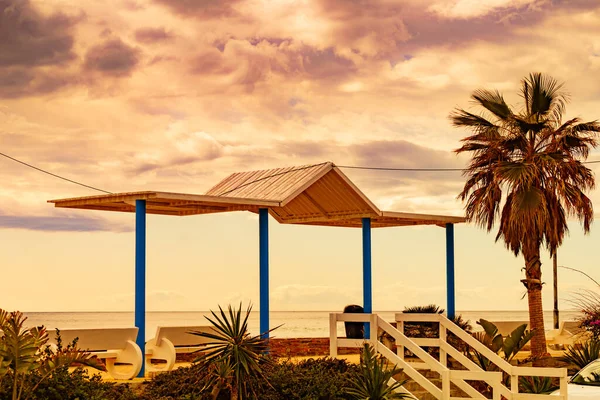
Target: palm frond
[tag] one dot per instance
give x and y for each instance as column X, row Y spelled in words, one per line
column 543, row 96
column 493, row 101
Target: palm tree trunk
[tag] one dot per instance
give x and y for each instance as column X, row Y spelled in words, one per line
column 533, row 283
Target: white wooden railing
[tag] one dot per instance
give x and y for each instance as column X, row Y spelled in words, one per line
column 426, row 362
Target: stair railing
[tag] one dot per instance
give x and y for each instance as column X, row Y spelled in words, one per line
column 448, row 376
column 446, row 349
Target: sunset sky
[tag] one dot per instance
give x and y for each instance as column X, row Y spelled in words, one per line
column 174, row 95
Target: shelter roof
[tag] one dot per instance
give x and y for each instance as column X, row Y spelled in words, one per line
column 310, row 195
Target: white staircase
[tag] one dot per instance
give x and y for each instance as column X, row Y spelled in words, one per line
column 448, row 375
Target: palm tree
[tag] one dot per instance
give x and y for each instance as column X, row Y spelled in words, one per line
column 526, row 170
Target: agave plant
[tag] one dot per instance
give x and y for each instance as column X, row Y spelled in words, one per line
column 537, row 385
column 371, row 382
column 233, row 355
column 581, row 354
column 23, row 351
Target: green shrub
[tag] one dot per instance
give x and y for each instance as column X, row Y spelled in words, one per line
column 311, row 379
column 185, row 382
column 431, row 329
column 583, row 353
column 537, row 385
column 75, row 385
column 371, row 381
column 321, row 378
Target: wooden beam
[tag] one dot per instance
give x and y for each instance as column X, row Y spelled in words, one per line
column 326, row 168
column 217, row 199
column 441, row 219
column 106, row 198
column 314, row 203
column 348, row 182
column 321, row 218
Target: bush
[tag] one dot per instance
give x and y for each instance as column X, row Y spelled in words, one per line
column 309, row 379
column 581, row 354
column 321, row 378
column 179, row 383
column 431, row 329
column 65, row 385
column 588, row 302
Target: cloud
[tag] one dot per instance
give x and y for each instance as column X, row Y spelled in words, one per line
column 60, row 224
column 112, row 57
column 29, row 38
column 36, row 49
column 152, row 35
column 203, row 8
column 181, row 148
column 403, row 154
column 18, row 82
column 247, row 63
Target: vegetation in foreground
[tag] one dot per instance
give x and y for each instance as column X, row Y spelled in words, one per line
column 526, row 171
column 28, row 366
column 213, row 376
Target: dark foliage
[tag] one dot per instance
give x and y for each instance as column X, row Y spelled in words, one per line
column 581, row 354
column 312, row 379
column 180, row 383
column 76, row 385
column 318, row 379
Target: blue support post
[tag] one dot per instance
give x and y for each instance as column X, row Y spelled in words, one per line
column 140, row 276
column 450, row 288
column 367, row 274
column 263, row 220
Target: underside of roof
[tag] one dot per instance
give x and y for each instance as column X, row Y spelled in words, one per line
column 310, row 195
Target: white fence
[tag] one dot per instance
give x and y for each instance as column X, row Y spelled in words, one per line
column 458, row 377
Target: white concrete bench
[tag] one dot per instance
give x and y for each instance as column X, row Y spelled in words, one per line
column 169, row 341
column 114, row 345
column 567, row 333
column 506, row 327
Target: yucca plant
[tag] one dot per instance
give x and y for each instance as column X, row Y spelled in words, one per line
column 583, row 353
column 24, row 350
column 371, row 382
column 234, row 355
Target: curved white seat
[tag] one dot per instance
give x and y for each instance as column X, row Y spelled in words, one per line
column 169, row 341
column 114, row 345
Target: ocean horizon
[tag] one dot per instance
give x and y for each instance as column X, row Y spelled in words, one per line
column 291, row 324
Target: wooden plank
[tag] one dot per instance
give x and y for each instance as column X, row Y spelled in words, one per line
column 325, row 219
column 352, row 317
column 414, row 317
column 217, row 199
column 317, row 175
column 101, row 199
column 348, row 182
column 429, row 217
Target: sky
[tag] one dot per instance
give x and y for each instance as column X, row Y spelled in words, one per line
column 174, row 95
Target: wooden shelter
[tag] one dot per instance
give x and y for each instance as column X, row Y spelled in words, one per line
column 317, row 194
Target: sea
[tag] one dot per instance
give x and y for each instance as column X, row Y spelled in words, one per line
column 291, row 324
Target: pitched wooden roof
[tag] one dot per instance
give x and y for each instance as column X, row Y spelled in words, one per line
column 312, row 195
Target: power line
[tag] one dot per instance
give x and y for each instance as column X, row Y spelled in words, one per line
column 269, row 176
column 400, row 169
column 423, row 169
column 51, row 174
